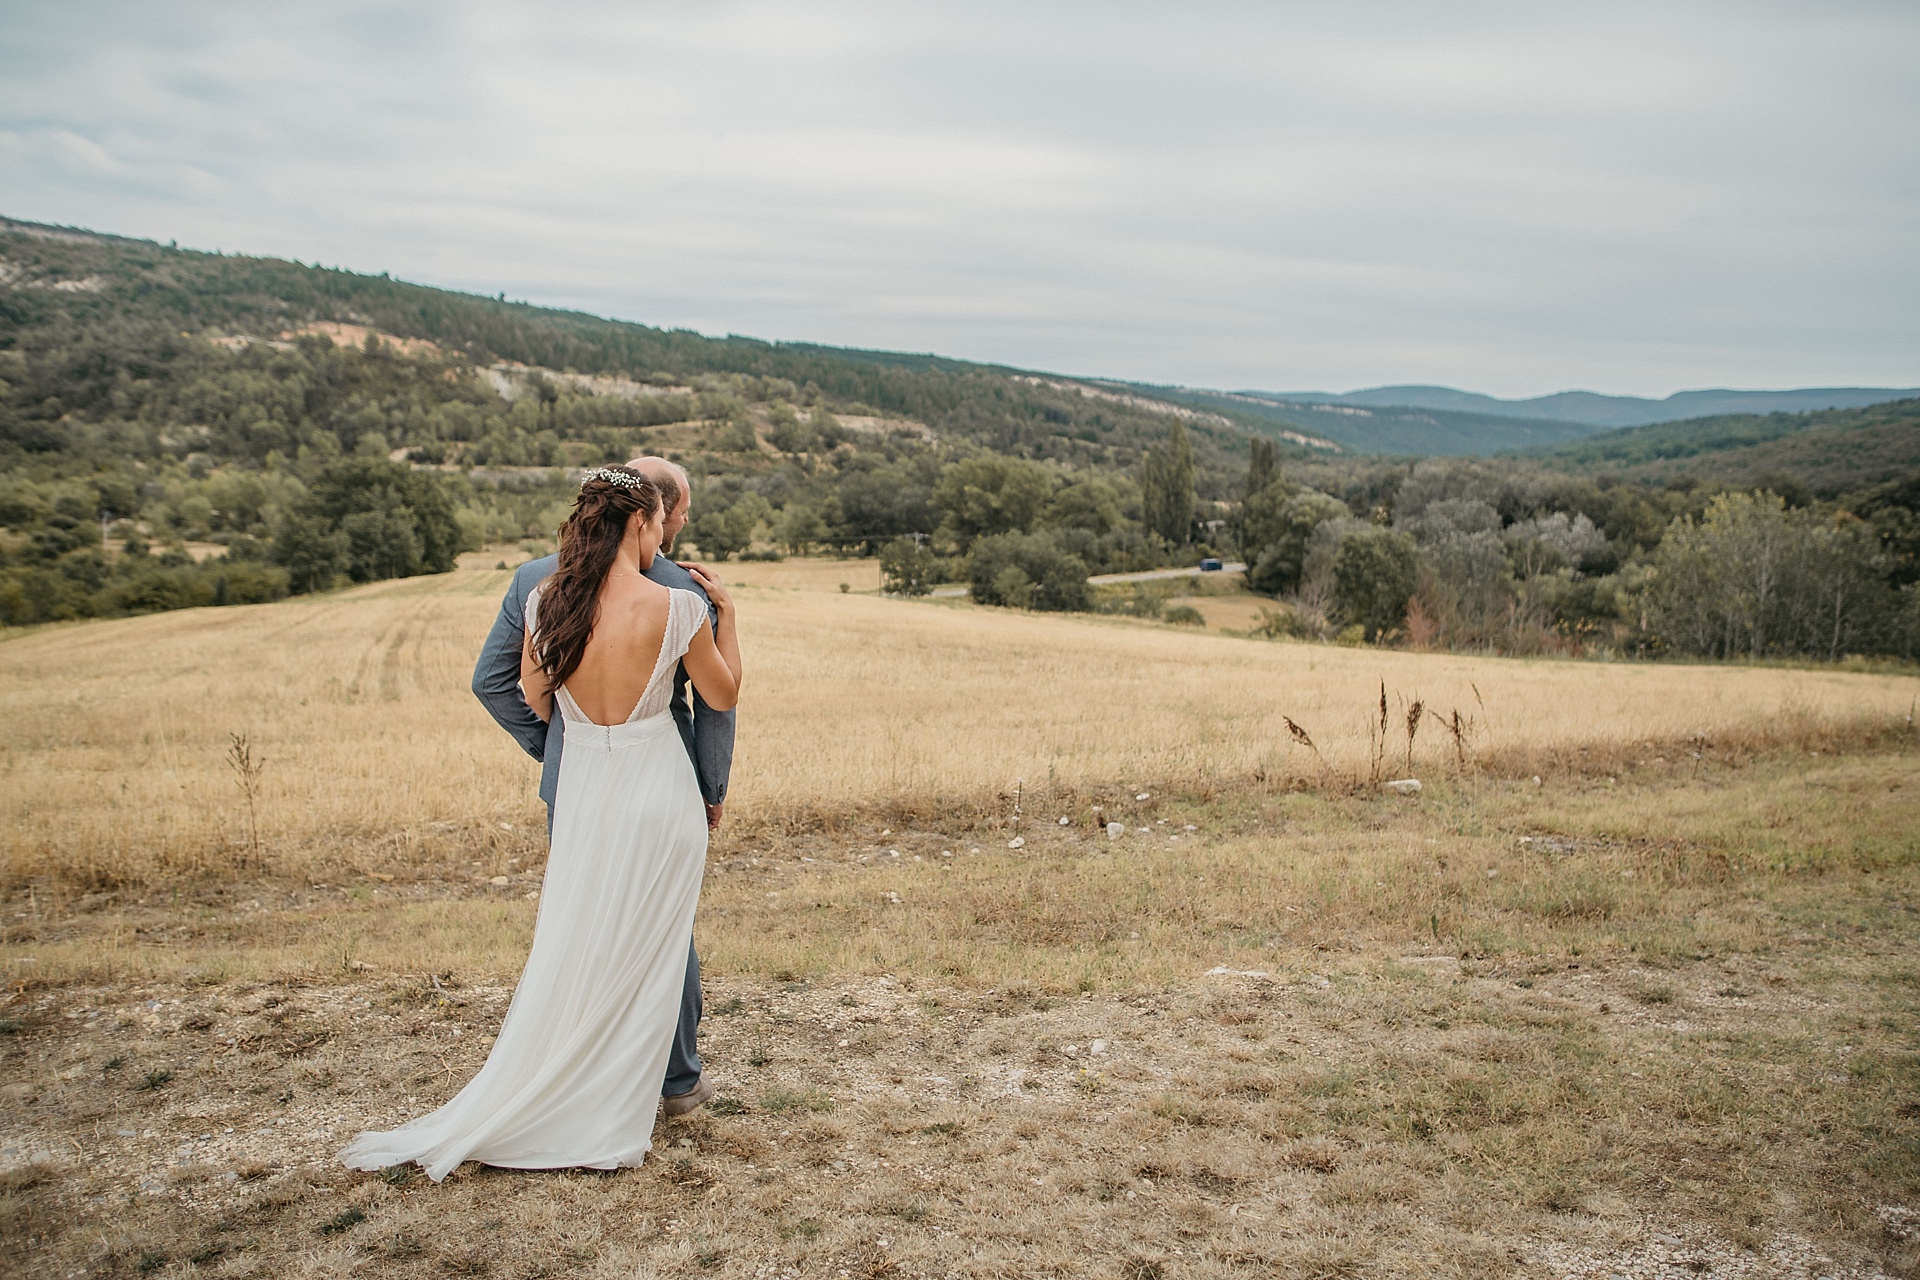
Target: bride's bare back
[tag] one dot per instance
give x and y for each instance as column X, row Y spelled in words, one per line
column 622, row 660
column 623, row 649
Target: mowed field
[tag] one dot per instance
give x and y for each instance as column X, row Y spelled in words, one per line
column 1629, row 987
column 358, row 704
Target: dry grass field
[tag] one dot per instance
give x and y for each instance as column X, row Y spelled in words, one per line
column 116, row 768
column 1653, row 1014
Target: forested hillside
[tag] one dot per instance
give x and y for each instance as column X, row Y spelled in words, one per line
column 1827, row 453
column 310, row 426
column 181, row 428
column 1602, row 412
column 86, row 310
column 1382, row 429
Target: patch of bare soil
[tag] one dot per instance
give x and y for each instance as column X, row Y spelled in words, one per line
column 1426, row 1117
column 356, row 335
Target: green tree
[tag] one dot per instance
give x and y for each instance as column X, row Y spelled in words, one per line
column 1373, row 574
column 1754, row 577
column 366, row 519
column 1096, row 504
column 826, row 427
column 1262, row 465
column 1893, row 509
column 990, row 494
column 800, row 526
column 737, row 436
column 1166, row 486
column 1027, row 571
column 722, row 532
column 787, row 433
column 878, row 501
column 907, row 568
column 1275, row 529
column 314, row 555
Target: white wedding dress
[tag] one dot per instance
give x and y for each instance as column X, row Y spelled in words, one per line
column 574, row 1078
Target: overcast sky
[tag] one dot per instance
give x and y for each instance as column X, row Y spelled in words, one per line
column 1513, row 198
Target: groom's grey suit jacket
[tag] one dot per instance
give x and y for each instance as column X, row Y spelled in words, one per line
column 708, row 734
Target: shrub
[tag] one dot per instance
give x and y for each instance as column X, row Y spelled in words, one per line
column 1028, row 571
column 1134, row 599
column 1184, row 615
column 907, row 568
column 1290, row 623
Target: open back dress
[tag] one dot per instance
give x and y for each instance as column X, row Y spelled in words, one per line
column 574, row 1078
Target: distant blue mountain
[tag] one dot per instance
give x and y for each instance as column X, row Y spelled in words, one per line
column 1593, row 409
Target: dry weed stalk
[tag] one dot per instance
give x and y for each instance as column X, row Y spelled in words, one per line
column 1414, row 713
column 1458, row 728
column 246, row 775
column 1300, row 736
column 1377, row 742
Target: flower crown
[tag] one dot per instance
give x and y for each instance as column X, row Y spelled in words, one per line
column 625, row 479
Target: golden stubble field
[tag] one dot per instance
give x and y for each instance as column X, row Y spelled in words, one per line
column 1655, row 1014
column 115, row 768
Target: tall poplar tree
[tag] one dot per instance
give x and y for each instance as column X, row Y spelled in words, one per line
column 1166, row 487
column 1262, row 465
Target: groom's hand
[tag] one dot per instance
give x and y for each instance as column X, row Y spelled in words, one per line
column 714, row 812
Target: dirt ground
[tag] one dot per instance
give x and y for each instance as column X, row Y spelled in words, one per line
column 1359, row 1115
column 1659, row 1024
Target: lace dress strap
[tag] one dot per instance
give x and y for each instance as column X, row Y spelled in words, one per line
column 687, row 615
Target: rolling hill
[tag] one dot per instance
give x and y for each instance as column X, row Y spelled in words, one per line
column 1594, row 410
column 1831, row 451
column 90, row 311
column 1384, row 429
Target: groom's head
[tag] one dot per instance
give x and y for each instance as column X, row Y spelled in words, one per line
column 671, row 479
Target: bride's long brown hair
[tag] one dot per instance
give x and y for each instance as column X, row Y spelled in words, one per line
column 589, row 540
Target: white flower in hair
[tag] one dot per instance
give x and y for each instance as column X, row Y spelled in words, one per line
column 625, row 479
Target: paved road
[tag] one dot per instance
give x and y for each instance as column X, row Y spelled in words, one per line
column 1232, row 566
column 1147, row 576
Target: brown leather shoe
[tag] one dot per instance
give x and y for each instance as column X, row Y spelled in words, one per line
column 681, row 1103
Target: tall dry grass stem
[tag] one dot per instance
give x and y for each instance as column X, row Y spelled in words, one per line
column 1414, row 712
column 247, row 768
column 1377, row 742
column 1457, row 728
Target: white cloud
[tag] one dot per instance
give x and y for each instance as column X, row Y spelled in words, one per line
column 1511, row 197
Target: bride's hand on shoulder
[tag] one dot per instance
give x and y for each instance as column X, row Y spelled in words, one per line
column 711, row 584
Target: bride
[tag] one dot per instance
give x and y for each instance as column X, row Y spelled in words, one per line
column 575, row 1075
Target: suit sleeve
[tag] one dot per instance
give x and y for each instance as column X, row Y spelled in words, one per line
column 496, row 677
column 712, row 749
column 712, row 744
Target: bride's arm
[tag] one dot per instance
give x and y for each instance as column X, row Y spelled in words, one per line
column 713, row 659
column 533, row 681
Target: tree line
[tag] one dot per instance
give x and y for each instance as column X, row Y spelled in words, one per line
column 1509, row 557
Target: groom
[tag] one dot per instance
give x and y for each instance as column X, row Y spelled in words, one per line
column 708, row 735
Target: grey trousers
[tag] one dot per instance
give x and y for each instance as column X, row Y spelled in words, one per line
column 683, row 1059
